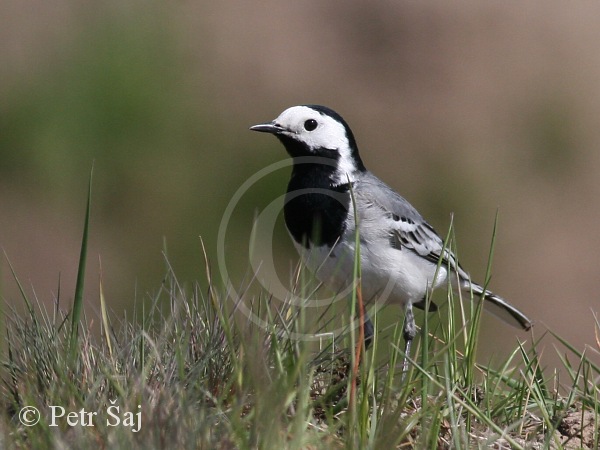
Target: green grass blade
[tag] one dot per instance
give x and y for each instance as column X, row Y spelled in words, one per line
column 78, row 299
column 105, row 323
column 22, row 290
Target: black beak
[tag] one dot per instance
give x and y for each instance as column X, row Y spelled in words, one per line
column 272, row 128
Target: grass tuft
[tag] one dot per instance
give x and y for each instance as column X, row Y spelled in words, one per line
column 202, row 372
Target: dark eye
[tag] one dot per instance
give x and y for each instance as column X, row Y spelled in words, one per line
column 310, row 124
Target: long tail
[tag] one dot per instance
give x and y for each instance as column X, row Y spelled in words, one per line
column 502, row 309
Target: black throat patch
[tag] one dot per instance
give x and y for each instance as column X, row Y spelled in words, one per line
column 315, row 209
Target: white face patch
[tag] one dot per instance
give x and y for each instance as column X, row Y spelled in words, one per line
column 299, row 124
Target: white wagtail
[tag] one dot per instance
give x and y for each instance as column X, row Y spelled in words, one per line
column 396, row 244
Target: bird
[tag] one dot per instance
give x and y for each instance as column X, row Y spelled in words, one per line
column 331, row 197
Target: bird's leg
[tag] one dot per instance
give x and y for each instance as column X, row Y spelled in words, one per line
column 409, row 333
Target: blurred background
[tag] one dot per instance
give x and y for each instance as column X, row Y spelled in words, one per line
column 466, row 108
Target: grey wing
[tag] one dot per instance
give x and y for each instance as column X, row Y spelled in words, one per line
column 408, row 230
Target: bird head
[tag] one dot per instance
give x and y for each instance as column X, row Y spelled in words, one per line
column 314, row 130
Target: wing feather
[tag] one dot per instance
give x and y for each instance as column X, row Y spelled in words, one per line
column 408, row 230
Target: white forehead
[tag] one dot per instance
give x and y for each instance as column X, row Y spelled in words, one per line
column 329, row 132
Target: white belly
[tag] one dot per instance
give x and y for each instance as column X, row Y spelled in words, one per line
column 388, row 275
